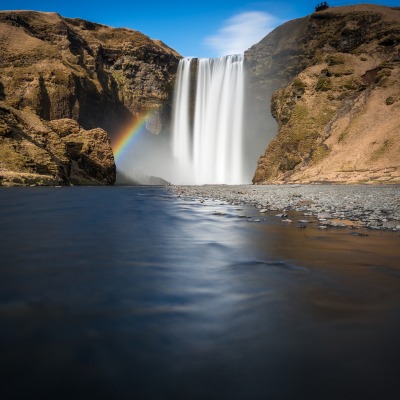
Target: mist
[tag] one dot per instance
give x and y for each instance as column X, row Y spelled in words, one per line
column 149, row 158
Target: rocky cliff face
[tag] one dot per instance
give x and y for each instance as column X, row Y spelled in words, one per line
column 335, row 79
column 62, row 83
column 59, row 152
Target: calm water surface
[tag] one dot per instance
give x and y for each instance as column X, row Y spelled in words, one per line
column 132, row 293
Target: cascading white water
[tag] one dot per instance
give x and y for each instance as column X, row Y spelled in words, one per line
column 181, row 125
column 210, row 146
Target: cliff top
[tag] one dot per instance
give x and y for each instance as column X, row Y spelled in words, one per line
column 45, row 25
column 388, row 13
column 291, row 30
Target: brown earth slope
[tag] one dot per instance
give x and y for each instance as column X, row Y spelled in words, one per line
column 338, row 99
column 54, row 68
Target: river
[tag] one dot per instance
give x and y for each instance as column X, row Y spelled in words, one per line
column 134, row 293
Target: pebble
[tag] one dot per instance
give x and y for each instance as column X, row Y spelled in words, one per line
column 324, row 215
column 372, row 206
column 358, row 234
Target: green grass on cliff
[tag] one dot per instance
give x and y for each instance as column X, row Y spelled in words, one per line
column 11, row 158
column 320, row 153
column 382, row 150
column 300, row 138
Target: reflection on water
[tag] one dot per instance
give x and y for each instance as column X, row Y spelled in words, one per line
column 132, row 293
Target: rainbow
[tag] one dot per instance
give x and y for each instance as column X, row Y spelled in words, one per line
column 127, row 135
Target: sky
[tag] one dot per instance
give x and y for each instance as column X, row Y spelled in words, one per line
column 201, row 28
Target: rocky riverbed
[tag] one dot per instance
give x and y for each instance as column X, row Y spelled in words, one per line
column 332, row 206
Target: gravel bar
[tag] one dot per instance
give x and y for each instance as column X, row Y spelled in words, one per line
column 356, row 206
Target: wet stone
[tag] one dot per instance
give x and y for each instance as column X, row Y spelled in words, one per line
column 324, row 215
column 373, row 206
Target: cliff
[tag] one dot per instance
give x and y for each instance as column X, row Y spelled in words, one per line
column 334, row 77
column 59, row 152
column 66, row 85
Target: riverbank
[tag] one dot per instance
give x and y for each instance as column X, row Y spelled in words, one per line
column 332, row 206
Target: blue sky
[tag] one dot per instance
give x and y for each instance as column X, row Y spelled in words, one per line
column 201, row 28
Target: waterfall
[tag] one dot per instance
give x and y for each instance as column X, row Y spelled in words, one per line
column 207, row 135
column 181, row 126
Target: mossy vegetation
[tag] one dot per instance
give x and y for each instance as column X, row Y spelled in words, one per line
column 382, row 150
column 300, row 112
column 120, row 35
column 390, row 100
column 324, row 84
column 299, row 142
column 335, row 59
column 10, row 157
column 320, row 153
column 340, row 71
column 343, row 135
column 324, row 115
column 382, row 74
column 387, row 64
column 299, row 86
column 119, row 76
column 350, row 84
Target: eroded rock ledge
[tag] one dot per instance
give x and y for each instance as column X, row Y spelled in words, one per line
column 59, row 152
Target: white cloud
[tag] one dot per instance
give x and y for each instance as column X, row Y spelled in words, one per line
column 240, row 32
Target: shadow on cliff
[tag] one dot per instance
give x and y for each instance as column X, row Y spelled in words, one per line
column 2, row 94
column 99, row 109
column 44, row 103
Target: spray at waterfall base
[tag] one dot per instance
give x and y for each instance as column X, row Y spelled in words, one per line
column 206, row 143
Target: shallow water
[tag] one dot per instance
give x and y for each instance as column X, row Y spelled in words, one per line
column 127, row 292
